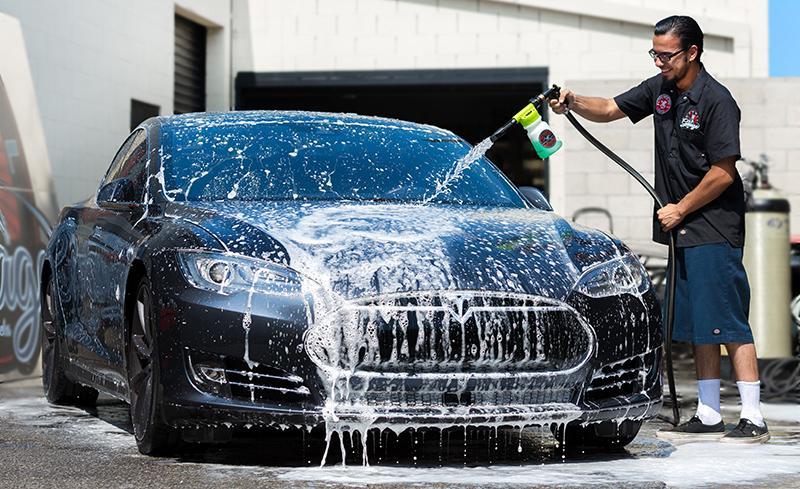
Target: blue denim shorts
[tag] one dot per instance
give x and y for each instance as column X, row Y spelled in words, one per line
column 712, row 296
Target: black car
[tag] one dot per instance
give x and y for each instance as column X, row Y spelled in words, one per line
column 292, row 268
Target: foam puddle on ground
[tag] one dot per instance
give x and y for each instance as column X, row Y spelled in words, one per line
column 690, row 465
column 647, row 460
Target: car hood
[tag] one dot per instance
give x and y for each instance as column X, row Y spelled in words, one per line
column 364, row 249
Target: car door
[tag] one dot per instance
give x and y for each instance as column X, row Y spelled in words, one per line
column 117, row 231
column 109, row 246
column 83, row 333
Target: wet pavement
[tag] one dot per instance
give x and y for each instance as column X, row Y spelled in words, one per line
column 65, row 447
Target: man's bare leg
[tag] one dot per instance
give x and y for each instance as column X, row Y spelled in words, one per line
column 706, row 361
column 743, row 360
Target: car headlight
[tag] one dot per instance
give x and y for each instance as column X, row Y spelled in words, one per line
column 226, row 273
column 624, row 275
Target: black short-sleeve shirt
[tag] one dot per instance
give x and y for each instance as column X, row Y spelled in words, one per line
column 693, row 129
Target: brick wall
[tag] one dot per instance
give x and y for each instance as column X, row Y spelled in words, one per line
column 770, row 125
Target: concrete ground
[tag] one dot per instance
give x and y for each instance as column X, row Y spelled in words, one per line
column 51, row 446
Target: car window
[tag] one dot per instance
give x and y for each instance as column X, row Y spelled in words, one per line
column 131, row 163
column 326, row 160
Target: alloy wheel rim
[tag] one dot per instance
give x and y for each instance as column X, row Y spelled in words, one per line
column 49, row 337
column 141, row 375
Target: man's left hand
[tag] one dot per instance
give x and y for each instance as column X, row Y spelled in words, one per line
column 670, row 216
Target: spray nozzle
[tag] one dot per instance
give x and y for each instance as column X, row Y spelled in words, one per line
column 551, row 93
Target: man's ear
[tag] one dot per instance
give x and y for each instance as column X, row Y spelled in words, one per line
column 693, row 50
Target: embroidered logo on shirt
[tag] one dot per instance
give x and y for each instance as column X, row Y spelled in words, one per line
column 663, row 103
column 547, row 138
column 691, row 120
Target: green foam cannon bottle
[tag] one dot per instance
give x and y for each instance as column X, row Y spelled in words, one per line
column 542, row 137
column 539, row 132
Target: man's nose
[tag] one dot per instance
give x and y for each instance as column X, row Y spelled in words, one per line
column 658, row 62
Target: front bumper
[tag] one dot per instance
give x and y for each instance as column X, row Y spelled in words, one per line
column 633, row 385
column 196, row 321
column 195, row 414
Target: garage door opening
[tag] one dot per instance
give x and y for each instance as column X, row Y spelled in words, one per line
column 471, row 103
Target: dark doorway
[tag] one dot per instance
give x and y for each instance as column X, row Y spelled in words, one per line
column 141, row 111
column 472, row 103
column 190, row 66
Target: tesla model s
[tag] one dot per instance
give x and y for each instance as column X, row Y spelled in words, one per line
column 305, row 269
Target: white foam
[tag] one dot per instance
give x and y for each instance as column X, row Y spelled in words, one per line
column 691, row 465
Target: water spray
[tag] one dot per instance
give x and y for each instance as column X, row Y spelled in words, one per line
column 545, row 143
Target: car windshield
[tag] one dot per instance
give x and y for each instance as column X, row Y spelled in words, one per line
column 355, row 159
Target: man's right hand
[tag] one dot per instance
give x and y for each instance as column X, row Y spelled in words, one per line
column 564, row 102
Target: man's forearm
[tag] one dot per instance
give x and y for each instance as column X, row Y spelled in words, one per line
column 718, row 178
column 595, row 109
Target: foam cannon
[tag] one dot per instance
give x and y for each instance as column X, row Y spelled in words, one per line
column 539, row 132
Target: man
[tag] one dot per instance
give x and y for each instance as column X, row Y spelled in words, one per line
column 697, row 144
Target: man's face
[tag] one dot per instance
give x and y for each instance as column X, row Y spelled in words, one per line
column 678, row 65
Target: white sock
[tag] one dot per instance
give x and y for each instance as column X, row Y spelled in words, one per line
column 750, row 393
column 708, row 401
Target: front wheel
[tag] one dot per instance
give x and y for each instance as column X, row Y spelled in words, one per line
column 58, row 389
column 153, row 436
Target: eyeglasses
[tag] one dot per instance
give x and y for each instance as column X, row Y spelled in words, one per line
column 664, row 57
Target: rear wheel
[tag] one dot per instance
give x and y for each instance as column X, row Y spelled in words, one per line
column 57, row 387
column 603, row 436
column 153, row 436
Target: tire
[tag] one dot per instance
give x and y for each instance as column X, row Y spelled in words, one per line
column 58, row 389
column 153, row 436
column 606, row 436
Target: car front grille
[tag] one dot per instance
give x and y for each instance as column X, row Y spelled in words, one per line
column 444, row 332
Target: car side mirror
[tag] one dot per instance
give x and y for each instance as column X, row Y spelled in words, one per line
column 536, row 198
column 120, row 190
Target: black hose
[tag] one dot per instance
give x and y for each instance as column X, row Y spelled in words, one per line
column 670, row 264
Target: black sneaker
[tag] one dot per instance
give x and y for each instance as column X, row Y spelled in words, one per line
column 747, row 432
column 693, row 430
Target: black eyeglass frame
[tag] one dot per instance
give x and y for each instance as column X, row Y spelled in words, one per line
column 665, row 57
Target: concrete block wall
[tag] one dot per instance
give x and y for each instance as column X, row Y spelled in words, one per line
column 770, row 125
column 275, row 35
column 88, row 60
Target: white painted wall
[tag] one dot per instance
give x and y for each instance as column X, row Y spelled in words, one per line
column 770, row 124
column 89, row 58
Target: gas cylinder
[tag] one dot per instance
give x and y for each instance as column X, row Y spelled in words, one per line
column 766, row 260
